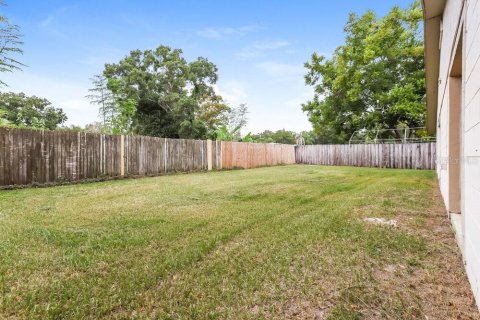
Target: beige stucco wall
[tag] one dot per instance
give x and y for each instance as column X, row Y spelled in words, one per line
column 470, row 124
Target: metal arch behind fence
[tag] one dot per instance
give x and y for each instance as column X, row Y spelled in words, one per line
column 405, row 139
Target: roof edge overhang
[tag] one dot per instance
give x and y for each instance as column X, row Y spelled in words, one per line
column 432, row 15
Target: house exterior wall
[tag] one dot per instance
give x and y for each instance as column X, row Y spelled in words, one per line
column 471, row 143
column 453, row 20
column 449, row 25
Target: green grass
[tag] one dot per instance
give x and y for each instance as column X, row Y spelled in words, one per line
column 282, row 242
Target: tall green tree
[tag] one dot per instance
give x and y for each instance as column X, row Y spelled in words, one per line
column 30, row 111
column 10, row 46
column 374, row 81
column 100, row 95
column 214, row 113
column 158, row 93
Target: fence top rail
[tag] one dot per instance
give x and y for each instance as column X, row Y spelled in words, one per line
column 99, row 134
column 366, row 144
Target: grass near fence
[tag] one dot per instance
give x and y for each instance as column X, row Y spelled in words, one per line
column 270, row 243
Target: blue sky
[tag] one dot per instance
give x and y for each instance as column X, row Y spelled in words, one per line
column 259, row 46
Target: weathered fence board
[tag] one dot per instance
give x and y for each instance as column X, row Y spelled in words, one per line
column 33, row 156
column 403, row 156
column 40, row 157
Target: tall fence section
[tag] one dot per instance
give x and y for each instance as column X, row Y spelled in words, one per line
column 43, row 157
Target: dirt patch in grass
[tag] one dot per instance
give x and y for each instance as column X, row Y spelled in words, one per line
column 431, row 286
column 442, row 277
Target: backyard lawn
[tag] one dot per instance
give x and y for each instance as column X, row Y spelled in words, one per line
column 284, row 242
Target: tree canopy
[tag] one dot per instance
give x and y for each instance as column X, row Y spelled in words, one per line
column 20, row 110
column 103, row 97
column 279, row 136
column 215, row 114
column 10, row 46
column 374, row 81
column 158, row 93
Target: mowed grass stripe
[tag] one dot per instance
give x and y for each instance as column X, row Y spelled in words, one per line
column 265, row 243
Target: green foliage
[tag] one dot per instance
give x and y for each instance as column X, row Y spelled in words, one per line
column 100, row 95
column 289, row 137
column 4, row 122
column 236, row 120
column 72, row 127
column 158, row 93
column 310, row 137
column 279, row 136
column 374, row 81
column 223, row 134
column 214, row 113
column 248, row 138
column 97, row 127
column 10, row 46
column 29, row 111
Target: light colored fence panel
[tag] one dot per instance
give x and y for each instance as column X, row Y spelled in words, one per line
column 253, row 155
column 403, row 156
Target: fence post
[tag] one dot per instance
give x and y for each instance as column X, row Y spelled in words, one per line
column 209, row 155
column 122, row 155
column 165, row 155
column 221, row 155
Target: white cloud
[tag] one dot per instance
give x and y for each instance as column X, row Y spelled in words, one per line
column 45, row 23
column 103, row 56
column 218, row 33
column 281, row 70
column 300, row 98
column 258, row 49
column 294, row 121
column 281, row 111
column 270, row 45
column 277, row 106
column 137, row 22
column 233, row 92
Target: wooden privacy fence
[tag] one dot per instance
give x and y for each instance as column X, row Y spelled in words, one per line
column 42, row 157
column 252, row 155
column 32, row 156
column 403, row 156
